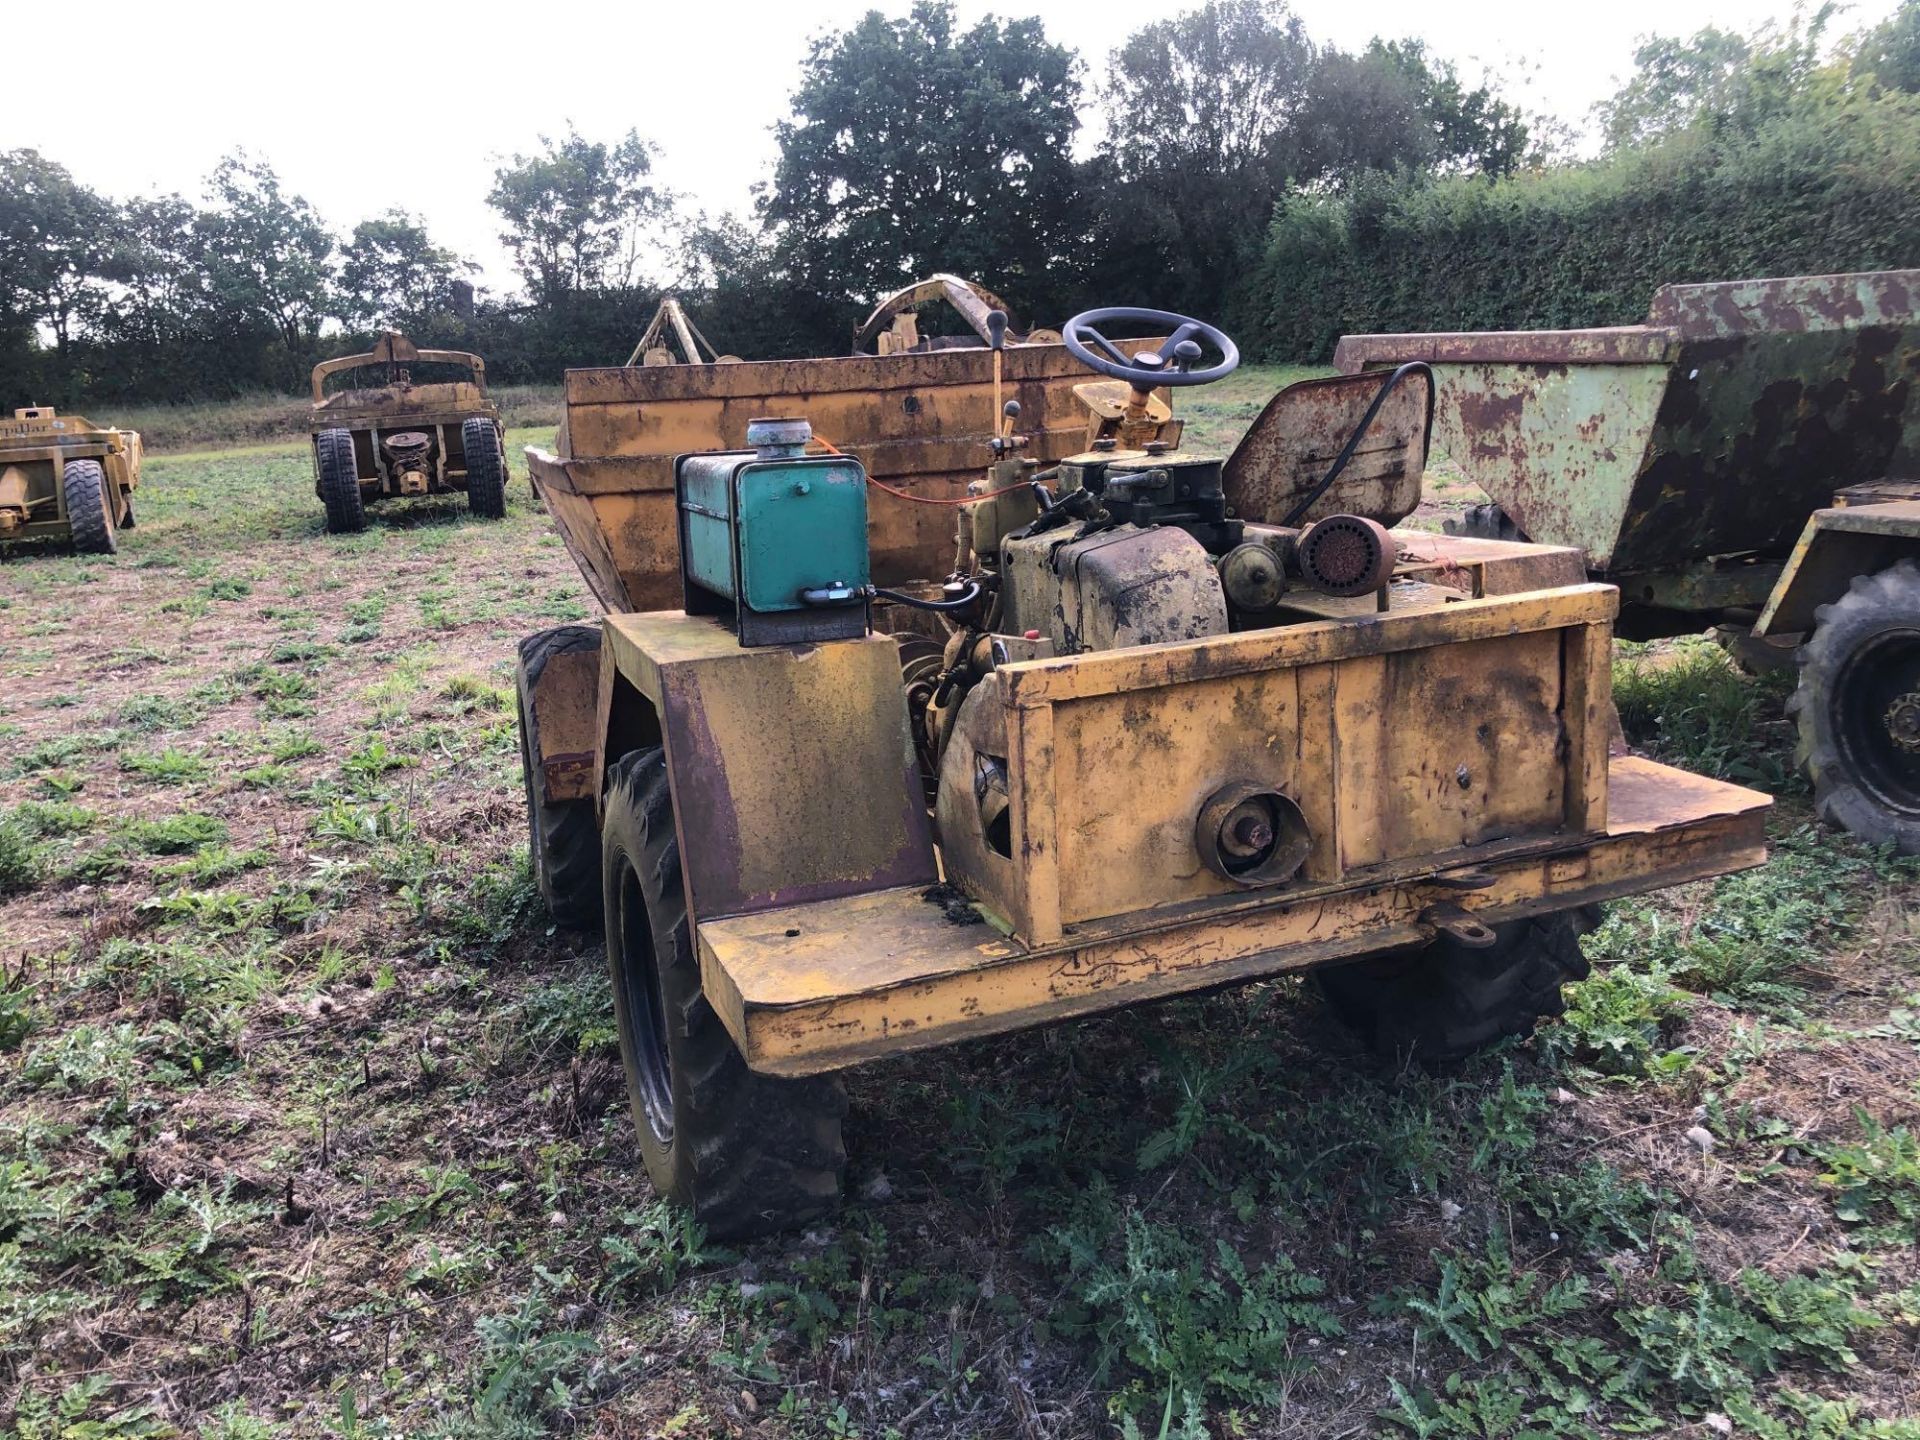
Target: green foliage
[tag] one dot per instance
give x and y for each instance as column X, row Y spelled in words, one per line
column 534, row 1376
column 1617, row 1020
column 171, row 766
column 1761, row 935
column 654, row 1248
column 1687, row 705
column 1829, row 186
column 393, row 275
column 577, row 212
column 1196, row 1317
column 42, row 818
column 974, row 185
column 1717, row 80
column 1723, row 1337
column 22, row 861
column 176, row 834
column 1876, row 1181
column 1701, row 1343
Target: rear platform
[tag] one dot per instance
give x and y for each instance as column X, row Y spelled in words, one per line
column 817, row 987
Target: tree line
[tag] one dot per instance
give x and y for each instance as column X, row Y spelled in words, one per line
column 1726, row 156
column 1241, row 171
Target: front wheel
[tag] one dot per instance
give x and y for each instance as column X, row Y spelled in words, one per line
column 1445, row 1000
column 1858, row 708
column 486, row 468
column 746, row 1153
column 89, row 505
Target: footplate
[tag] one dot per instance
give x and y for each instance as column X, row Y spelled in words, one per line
column 820, row 986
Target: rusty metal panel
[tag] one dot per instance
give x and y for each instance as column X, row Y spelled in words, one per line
column 919, row 422
column 1612, row 345
column 792, row 773
column 1293, row 443
column 813, row 988
column 1838, row 543
column 1447, row 746
column 1713, row 430
column 566, row 712
column 1373, row 744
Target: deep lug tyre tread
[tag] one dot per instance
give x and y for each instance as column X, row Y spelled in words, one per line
column 340, row 482
column 563, row 836
column 1442, row 1002
column 486, row 468
column 83, row 487
column 1873, row 604
column 748, row 1154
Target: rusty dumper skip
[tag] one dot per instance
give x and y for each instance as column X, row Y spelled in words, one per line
column 1147, row 721
column 399, row 438
column 1749, row 456
column 64, row 478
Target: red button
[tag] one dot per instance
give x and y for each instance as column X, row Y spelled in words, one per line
column 1033, row 634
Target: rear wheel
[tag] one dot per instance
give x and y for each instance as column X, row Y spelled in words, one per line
column 339, row 482
column 563, row 835
column 486, row 468
column 1444, row 1001
column 1858, row 707
column 745, row 1153
column 83, row 489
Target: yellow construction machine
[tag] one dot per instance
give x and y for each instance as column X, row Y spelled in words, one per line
column 399, row 437
column 64, row 478
column 955, row 702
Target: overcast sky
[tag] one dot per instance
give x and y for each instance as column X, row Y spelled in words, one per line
column 361, row 107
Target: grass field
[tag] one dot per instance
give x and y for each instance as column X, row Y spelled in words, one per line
column 310, row 1125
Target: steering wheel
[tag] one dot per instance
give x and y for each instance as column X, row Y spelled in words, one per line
column 1171, row 364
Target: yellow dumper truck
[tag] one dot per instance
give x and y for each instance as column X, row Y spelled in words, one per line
column 941, row 694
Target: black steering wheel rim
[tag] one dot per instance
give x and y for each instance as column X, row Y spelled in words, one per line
column 1150, row 368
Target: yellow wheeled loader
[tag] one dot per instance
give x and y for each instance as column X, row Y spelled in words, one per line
column 919, row 716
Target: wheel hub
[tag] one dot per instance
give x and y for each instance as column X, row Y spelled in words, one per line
column 1903, row 721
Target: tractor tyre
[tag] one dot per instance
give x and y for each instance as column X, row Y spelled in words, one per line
column 1858, row 708
column 89, row 505
column 1484, row 522
column 340, row 482
column 1443, row 1001
column 746, row 1153
column 486, row 468
column 563, row 836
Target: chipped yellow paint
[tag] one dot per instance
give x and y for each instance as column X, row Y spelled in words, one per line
column 809, row 988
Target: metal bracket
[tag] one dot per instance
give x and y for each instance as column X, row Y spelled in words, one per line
column 1451, row 920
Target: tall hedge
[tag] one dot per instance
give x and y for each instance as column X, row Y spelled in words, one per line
column 1827, row 189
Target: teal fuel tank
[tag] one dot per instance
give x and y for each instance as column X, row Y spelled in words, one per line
column 774, row 538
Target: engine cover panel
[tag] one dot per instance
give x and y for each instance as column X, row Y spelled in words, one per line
column 1123, row 586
